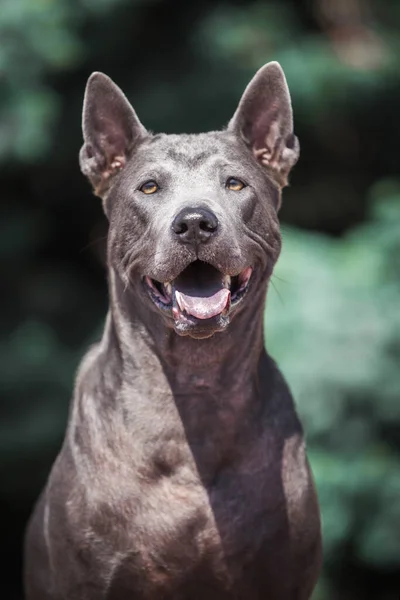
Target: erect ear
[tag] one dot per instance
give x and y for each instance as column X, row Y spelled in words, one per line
column 110, row 130
column 264, row 119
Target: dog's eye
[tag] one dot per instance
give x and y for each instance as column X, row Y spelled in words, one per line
column 234, row 184
column 150, row 187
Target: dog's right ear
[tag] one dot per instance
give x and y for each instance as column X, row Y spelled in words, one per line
column 264, row 121
column 111, row 128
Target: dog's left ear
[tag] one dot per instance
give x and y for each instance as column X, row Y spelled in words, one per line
column 264, row 120
column 110, row 127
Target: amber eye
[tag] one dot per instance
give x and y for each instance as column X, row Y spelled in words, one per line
column 150, row 187
column 234, row 184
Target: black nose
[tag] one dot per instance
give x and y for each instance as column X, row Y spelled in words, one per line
column 195, row 225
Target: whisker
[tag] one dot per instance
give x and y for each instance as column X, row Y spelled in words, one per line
column 92, row 243
column 277, row 291
column 282, row 279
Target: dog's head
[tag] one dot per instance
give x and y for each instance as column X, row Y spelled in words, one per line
column 193, row 218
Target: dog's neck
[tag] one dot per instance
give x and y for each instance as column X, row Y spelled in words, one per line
column 209, row 389
column 190, row 365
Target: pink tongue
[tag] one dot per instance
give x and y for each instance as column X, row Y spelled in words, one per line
column 204, row 308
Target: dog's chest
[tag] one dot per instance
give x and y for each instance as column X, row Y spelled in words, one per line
column 161, row 535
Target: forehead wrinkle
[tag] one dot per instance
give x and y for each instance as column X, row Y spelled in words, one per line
column 191, row 159
column 213, row 150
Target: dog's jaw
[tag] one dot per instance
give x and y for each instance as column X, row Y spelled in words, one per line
column 201, row 300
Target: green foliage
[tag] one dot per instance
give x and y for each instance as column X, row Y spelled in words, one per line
column 38, row 38
column 333, row 324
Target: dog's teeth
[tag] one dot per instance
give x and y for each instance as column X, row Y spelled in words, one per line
column 179, row 300
column 226, row 281
column 168, row 288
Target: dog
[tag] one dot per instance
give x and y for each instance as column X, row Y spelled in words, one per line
column 183, row 474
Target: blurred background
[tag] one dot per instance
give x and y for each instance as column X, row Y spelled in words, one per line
column 333, row 318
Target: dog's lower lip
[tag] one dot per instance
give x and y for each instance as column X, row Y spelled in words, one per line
column 161, row 291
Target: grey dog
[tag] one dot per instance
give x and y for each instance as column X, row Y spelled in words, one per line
column 183, row 474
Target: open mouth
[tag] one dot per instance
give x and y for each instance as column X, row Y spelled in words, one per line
column 199, row 293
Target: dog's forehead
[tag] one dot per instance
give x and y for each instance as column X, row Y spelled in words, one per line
column 192, row 150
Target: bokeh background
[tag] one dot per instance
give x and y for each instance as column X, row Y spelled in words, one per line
column 333, row 318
